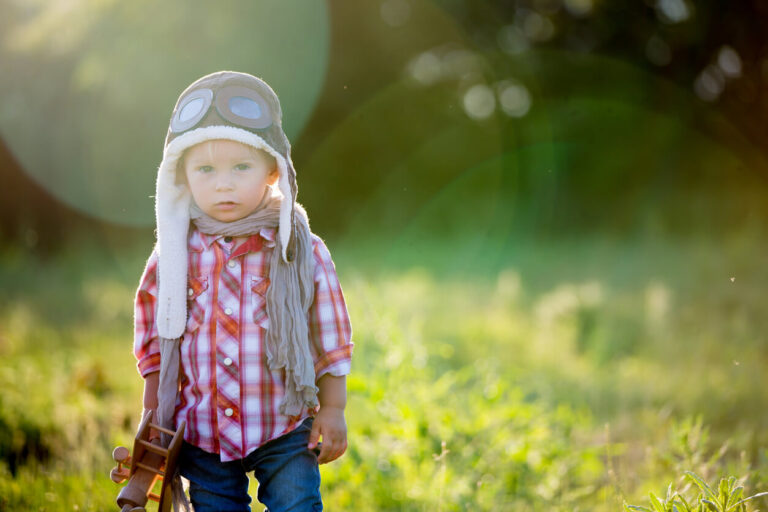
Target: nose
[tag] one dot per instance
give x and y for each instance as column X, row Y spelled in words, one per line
column 224, row 181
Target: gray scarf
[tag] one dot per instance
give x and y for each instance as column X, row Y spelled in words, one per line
column 289, row 297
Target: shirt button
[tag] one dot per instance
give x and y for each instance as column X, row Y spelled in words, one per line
column 228, row 311
column 190, row 292
column 231, row 264
column 228, row 411
column 227, row 239
column 227, row 361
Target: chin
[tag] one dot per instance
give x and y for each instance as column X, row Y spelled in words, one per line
column 225, row 216
column 228, row 218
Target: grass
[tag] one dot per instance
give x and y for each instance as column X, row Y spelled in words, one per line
column 520, row 375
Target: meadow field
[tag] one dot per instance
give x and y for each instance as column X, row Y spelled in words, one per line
column 533, row 374
column 546, row 216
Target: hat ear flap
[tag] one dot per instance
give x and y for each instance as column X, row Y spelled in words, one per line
column 291, row 252
column 172, row 210
column 287, row 185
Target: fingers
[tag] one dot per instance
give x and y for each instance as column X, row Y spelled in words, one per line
column 154, row 435
column 329, row 424
column 332, row 449
column 314, row 435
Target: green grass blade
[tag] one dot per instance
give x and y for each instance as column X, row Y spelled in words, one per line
column 656, row 504
column 758, row 495
column 737, row 493
column 636, row 508
column 705, row 488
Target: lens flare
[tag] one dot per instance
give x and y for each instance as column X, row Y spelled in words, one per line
column 95, row 141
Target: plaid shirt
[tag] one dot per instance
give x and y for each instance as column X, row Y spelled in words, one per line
column 229, row 398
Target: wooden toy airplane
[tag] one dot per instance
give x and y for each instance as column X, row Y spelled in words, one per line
column 150, row 463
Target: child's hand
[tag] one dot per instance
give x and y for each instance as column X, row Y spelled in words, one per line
column 329, row 423
column 154, row 435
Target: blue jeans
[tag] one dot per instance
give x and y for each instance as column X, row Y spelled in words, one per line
column 288, row 475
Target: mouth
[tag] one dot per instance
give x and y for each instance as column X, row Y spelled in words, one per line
column 226, row 204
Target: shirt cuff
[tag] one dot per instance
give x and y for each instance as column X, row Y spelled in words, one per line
column 337, row 362
column 149, row 364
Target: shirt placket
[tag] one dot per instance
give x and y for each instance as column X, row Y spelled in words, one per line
column 228, row 333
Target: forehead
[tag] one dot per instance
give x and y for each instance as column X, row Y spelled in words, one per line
column 221, row 148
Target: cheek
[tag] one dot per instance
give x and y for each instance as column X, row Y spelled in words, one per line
column 258, row 179
column 181, row 177
column 196, row 186
column 186, row 177
column 190, row 181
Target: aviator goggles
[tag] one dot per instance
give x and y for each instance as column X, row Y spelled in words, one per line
column 236, row 104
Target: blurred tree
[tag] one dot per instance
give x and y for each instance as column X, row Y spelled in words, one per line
column 572, row 108
column 28, row 214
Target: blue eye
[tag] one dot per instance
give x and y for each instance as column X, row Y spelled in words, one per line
column 242, row 167
column 205, row 169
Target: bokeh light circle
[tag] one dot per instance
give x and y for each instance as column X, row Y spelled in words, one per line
column 94, row 139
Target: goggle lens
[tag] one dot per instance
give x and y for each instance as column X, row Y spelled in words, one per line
column 244, row 107
column 191, row 109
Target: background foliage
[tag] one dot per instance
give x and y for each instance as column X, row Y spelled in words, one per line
column 547, row 216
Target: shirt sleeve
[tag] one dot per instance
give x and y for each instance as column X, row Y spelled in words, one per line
column 330, row 331
column 146, row 346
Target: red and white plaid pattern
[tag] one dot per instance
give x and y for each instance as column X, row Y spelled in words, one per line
column 229, row 397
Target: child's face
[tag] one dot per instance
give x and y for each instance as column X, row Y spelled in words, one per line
column 228, row 179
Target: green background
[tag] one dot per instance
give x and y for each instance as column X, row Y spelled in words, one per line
column 556, row 291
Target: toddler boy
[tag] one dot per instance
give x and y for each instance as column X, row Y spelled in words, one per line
column 241, row 328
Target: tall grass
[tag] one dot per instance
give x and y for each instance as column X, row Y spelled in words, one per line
column 531, row 375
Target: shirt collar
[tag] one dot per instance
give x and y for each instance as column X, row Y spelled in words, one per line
column 199, row 241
